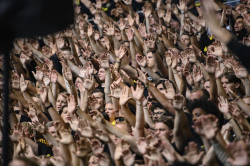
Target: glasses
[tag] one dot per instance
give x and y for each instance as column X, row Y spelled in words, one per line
column 158, row 113
column 119, row 119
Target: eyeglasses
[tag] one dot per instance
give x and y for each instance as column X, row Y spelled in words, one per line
column 158, row 113
column 119, row 119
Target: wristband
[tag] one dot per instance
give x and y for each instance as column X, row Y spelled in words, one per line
column 183, row 12
column 80, row 56
column 168, row 26
column 49, row 106
column 223, row 26
column 118, row 62
column 237, row 98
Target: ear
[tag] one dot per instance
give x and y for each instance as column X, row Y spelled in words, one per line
column 237, row 85
column 96, row 85
column 32, row 135
column 171, row 132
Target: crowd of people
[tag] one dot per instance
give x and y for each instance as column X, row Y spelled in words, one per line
column 168, row 86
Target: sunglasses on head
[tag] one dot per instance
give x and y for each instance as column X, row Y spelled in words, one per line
column 119, row 119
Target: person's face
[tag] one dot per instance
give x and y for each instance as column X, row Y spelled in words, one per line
column 99, row 97
column 161, row 88
column 118, row 35
column 158, row 113
column 185, row 39
column 231, row 86
column 176, row 52
column 93, row 161
column 109, row 110
column 197, row 114
column 101, row 74
column 103, row 42
column 196, row 95
column 175, row 24
column 66, row 115
column 162, row 130
column 60, row 102
column 52, row 131
column 27, row 133
column 66, row 53
column 207, row 86
column 239, row 25
column 151, row 20
column 150, row 60
column 209, row 50
column 16, row 162
column 126, row 44
column 237, row 9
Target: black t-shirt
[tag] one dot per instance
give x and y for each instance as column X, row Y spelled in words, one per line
column 194, row 11
column 44, row 150
column 24, row 118
column 57, row 64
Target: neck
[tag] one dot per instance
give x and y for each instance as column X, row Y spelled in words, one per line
column 154, row 68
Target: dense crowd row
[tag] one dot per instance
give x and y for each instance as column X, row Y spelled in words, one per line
column 166, row 87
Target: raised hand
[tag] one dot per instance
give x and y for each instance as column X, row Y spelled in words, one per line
column 223, row 104
column 122, row 25
column 67, row 72
column 116, row 90
column 128, row 2
column 97, row 147
column 47, row 52
column 141, row 60
column 124, row 96
column 15, row 81
column 110, row 29
column 41, row 128
column 103, row 136
column 210, row 64
column 167, row 18
column 104, row 60
column 178, row 102
column 210, row 125
column 198, row 128
column 71, row 104
column 90, row 30
column 17, row 133
column 217, row 49
column 34, row 43
column 197, row 75
column 192, row 156
column 49, row 64
column 142, row 30
column 150, row 43
column 39, row 74
column 147, row 10
column 218, row 71
column 93, row 103
column 142, row 145
column 81, row 148
column 85, row 129
column 160, row 12
column 32, row 113
column 23, row 84
column 66, row 137
column 46, row 78
column 182, row 6
column 143, row 77
column 138, row 93
column 121, row 52
column 74, row 122
column 44, row 94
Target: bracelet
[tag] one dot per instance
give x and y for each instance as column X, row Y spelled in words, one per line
column 138, row 104
column 183, row 12
column 223, row 26
column 118, row 62
column 80, row 56
column 49, row 106
column 237, row 98
column 168, row 26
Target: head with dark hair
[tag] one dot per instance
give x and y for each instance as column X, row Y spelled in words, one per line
column 65, row 114
column 185, row 39
column 199, row 93
column 164, row 127
column 158, row 111
column 161, row 86
column 239, row 24
column 202, row 107
column 229, row 80
column 99, row 95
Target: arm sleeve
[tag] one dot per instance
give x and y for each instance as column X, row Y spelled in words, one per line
column 242, row 52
